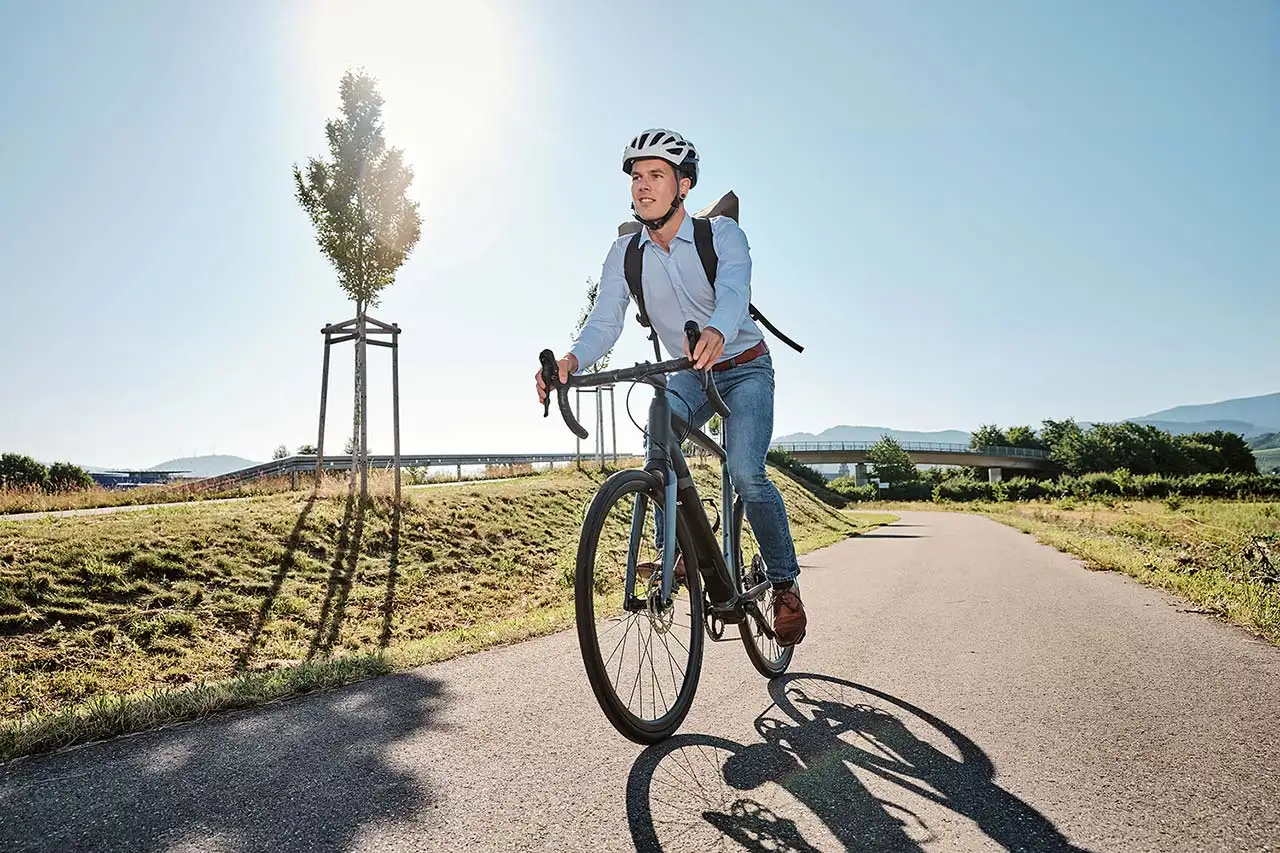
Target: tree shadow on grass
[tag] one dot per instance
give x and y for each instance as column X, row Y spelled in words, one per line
column 310, row 774
column 277, row 582
column 341, row 576
column 393, row 568
column 797, row 785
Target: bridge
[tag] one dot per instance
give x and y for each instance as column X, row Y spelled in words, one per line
column 995, row 459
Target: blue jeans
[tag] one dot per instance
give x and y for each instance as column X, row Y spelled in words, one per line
column 747, row 390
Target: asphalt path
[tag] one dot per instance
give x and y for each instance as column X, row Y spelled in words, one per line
column 961, row 688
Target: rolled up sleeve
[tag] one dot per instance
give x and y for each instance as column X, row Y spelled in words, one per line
column 604, row 323
column 733, row 279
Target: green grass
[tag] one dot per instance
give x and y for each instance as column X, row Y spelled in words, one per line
column 1222, row 556
column 116, row 622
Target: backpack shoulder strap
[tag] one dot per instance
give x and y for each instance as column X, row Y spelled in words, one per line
column 632, row 267
column 703, row 240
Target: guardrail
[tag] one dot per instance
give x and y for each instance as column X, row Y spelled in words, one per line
column 919, row 446
column 305, row 464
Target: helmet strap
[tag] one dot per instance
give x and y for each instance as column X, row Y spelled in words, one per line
column 656, row 224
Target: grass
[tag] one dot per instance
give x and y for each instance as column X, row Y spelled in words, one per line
column 1222, row 556
column 112, row 623
column 17, row 501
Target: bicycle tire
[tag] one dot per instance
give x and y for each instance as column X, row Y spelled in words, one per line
column 769, row 659
column 618, row 487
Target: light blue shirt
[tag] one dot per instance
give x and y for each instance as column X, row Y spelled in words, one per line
column 675, row 290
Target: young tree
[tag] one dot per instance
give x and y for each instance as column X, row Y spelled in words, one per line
column 307, row 450
column 280, row 452
column 891, row 462
column 365, row 222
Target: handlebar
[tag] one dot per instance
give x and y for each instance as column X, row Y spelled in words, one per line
column 638, row 373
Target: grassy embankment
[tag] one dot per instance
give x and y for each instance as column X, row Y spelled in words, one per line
column 118, row 622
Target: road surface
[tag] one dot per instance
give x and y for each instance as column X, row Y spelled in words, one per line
column 962, row 688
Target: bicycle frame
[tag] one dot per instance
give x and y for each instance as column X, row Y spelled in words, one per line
column 665, row 461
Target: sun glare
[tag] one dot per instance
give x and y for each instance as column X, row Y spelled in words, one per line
column 449, row 73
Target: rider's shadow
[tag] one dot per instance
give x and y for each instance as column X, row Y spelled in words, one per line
column 696, row 787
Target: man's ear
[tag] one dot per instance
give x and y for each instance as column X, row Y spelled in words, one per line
column 685, row 186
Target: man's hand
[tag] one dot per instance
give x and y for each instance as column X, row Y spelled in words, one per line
column 567, row 365
column 710, row 348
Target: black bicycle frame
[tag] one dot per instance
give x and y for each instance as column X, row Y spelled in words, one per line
column 667, row 465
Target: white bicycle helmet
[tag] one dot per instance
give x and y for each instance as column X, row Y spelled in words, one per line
column 664, row 145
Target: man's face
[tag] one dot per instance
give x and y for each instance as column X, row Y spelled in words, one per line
column 654, row 187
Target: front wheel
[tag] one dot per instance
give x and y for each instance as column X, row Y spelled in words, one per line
column 643, row 662
column 770, row 659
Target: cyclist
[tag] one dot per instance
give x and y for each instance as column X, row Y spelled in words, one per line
column 663, row 167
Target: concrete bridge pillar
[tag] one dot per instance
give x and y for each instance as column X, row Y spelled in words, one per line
column 994, row 475
column 860, row 474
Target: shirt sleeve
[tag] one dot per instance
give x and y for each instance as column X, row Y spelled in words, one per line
column 733, row 278
column 604, row 323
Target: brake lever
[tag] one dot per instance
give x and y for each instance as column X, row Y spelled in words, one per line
column 550, row 374
column 551, row 379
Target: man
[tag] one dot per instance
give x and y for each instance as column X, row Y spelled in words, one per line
column 663, row 167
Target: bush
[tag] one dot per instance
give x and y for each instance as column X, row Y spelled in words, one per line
column 22, row 472
column 65, row 477
column 1022, row 489
column 964, row 490
column 909, row 491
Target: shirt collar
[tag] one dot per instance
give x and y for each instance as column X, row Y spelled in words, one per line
column 685, row 233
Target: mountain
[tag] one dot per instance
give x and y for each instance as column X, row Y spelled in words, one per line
column 869, row 433
column 204, row 466
column 1253, row 415
column 1243, row 428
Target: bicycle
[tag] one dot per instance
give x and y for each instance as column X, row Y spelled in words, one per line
column 720, row 587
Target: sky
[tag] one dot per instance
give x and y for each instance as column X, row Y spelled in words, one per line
column 981, row 212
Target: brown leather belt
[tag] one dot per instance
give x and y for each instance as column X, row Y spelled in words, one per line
column 742, row 357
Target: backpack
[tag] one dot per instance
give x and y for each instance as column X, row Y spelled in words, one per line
column 702, row 240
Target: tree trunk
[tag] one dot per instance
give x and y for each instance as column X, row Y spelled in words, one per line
column 357, row 412
column 364, row 407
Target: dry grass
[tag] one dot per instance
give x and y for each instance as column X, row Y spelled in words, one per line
column 1223, row 556
column 181, row 607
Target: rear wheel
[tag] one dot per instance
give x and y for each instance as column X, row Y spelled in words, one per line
column 769, row 658
column 643, row 663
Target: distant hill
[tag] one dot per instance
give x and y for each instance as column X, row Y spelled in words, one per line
column 1267, row 441
column 869, row 433
column 1251, row 415
column 1184, row 428
column 205, row 466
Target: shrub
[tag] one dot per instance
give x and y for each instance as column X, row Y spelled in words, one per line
column 1022, row 489
column 964, row 490
column 65, row 477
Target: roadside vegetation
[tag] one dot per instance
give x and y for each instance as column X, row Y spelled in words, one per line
column 1210, row 536
column 120, row 621
column 1222, row 556
column 31, row 487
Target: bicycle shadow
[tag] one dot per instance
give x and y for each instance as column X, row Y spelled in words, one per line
column 836, row 762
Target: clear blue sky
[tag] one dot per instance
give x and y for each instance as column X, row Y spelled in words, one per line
column 968, row 212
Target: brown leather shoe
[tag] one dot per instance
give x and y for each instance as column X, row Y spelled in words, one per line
column 645, row 569
column 789, row 621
